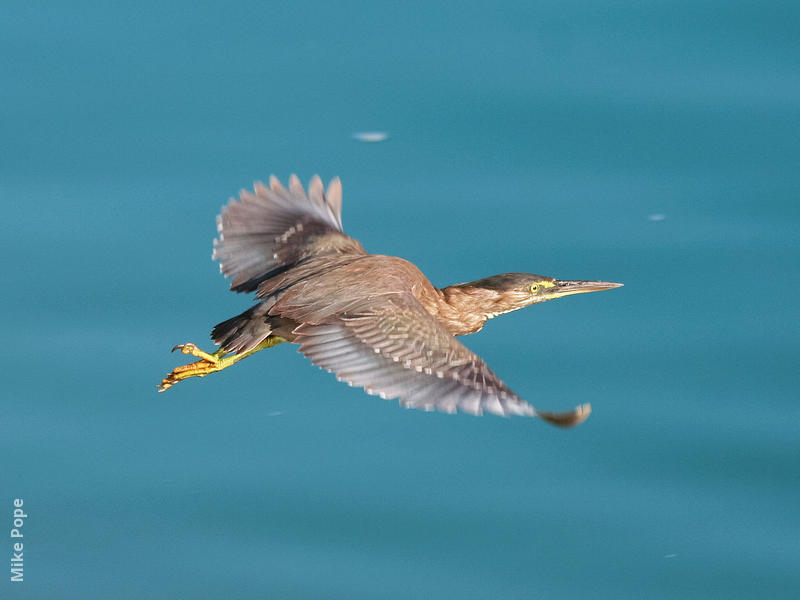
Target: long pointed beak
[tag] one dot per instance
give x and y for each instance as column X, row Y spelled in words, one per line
column 567, row 287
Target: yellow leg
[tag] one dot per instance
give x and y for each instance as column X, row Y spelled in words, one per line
column 209, row 363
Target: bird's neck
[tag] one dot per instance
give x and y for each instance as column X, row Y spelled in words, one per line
column 465, row 309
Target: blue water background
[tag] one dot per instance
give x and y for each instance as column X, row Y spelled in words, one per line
column 653, row 143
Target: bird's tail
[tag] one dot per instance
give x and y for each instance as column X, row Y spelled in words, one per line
column 245, row 331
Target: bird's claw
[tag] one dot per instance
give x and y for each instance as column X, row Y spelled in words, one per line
column 208, row 363
column 190, row 348
column 187, row 348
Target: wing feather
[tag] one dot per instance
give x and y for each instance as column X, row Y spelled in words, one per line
column 271, row 229
column 392, row 347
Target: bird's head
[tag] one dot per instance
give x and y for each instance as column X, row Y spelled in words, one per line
column 511, row 291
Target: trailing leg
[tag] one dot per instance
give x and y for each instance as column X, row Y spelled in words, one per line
column 210, row 363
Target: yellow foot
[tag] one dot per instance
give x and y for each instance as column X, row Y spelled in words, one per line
column 208, row 363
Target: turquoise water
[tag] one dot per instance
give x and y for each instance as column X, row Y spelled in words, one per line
column 656, row 144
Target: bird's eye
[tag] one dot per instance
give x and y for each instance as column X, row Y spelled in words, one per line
column 534, row 288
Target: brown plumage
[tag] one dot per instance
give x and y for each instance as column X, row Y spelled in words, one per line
column 375, row 321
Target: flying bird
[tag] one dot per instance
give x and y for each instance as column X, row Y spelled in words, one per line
column 374, row 321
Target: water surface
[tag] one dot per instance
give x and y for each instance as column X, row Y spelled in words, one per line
column 538, row 137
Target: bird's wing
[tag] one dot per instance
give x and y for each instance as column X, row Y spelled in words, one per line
column 271, row 229
column 391, row 346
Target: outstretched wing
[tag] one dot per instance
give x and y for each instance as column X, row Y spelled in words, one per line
column 391, row 346
column 271, row 229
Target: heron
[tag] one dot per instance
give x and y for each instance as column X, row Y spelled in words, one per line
column 374, row 321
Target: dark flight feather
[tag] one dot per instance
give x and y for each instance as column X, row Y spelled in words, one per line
column 271, row 229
